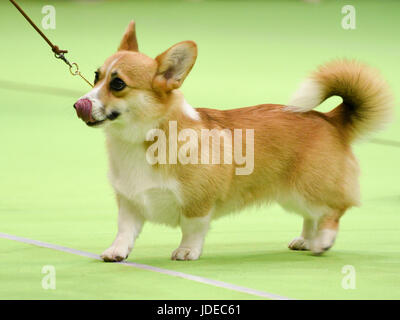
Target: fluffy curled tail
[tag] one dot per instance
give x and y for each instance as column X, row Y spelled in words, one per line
column 367, row 100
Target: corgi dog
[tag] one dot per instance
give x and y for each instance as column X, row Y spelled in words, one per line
column 300, row 158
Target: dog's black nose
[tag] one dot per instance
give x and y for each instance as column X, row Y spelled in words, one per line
column 74, row 106
column 113, row 115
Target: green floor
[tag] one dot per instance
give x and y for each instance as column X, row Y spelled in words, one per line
column 53, row 184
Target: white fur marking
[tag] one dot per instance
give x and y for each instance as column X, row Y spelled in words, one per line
column 190, row 111
column 307, row 97
column 98, row 112
column 133, row 177
column 323, row 241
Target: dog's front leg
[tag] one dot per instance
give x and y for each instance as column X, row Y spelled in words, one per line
column 130, row 223
column 194, row 231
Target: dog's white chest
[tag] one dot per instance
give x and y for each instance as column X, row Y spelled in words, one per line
column 133, row 177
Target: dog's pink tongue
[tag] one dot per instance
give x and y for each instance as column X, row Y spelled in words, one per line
column 84, row 110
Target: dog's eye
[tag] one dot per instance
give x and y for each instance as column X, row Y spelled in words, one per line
column 117, row 84
column 96, row 77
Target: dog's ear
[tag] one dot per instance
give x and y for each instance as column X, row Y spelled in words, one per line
column 174, row 65
column 129, row 41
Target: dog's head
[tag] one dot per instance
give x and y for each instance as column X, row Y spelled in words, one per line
column 131, row 86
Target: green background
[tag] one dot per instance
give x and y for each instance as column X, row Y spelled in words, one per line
column 53, row 184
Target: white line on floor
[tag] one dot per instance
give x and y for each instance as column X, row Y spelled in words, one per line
column 212, row 282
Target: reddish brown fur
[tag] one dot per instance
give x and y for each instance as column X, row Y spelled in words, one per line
column 304, row 153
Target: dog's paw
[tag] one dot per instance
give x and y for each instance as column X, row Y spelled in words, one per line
column 115, row 254
column 299, row 243
column 185, row 254
column 323, row 241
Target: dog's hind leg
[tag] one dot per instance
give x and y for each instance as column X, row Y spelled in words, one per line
column 327, row 229
column 304, row 241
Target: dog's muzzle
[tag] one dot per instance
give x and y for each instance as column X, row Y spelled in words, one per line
column 83, row 109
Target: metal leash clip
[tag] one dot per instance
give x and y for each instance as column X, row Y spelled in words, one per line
column 74, row 70
column 73, row 67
